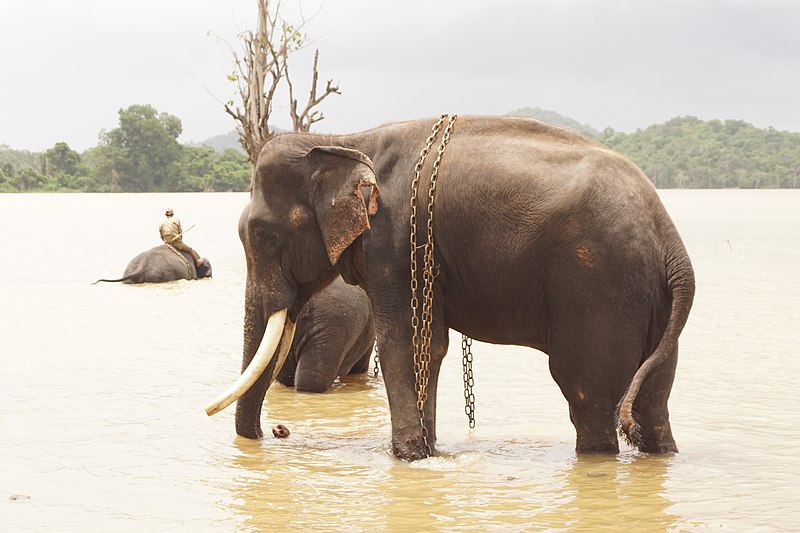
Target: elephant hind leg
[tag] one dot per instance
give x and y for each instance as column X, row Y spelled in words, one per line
column 650, row 408
column 593, row 378
column 594, row 419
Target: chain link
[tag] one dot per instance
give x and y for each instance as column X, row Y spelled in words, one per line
column 422, row 332
column 469, row 382
column 375, row 369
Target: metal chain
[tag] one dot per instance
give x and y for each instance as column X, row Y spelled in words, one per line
column 418, row 356
column 421, row 336
column 469, row 382
column 428, row 273
column 375, row 369
column 185, row 262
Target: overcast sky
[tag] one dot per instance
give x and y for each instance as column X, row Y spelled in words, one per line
column 68, row 67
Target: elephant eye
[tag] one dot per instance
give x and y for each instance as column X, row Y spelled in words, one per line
column 264, row 237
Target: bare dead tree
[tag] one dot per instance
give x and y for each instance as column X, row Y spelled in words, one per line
column 302, row 121
column 263, row 64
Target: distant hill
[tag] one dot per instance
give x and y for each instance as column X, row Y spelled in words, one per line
column 556, row 119
column 687, row 152
column 220, row 143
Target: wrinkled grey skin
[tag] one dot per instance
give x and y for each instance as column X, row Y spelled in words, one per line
column 334, row 337
column 543, row 238
column 161, row 264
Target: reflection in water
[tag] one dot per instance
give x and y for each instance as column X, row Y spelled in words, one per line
column 336, row 470
column 327, row 472
column 315, row 489
column 608, row 493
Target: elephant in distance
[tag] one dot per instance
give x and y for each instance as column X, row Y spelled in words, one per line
column 160, row 264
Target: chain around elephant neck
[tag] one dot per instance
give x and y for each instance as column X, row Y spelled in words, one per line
column 185, row 262
column 421, row 322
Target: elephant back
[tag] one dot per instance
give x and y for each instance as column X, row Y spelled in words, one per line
column 186, row 259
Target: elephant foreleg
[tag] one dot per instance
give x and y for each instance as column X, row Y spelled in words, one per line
column 363, row 349
column 363, row 364
column 312, row 376
column 397, row 365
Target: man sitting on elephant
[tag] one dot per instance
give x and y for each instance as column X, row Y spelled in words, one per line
column 171, row 233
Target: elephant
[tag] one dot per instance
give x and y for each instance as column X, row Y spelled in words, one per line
column 539, row 236
column 162, row 263
column 335, row 335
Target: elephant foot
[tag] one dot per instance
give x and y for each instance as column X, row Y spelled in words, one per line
column 597, row 450
column 411, row 449
column 660, row 449
column 251, row 430
column 605, row 443
column 658, row 441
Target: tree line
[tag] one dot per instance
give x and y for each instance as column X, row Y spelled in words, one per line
column 686, row 152
column 143, row 155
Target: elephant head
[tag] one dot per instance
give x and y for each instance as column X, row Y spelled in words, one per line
column 204, row 270
column 307, row 206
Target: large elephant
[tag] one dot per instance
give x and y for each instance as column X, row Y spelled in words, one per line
column 334, row 337
column 162, row 263
column 541, row 237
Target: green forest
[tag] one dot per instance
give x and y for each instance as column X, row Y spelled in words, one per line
column 691, row 153
column 143, row 155
column 686, row 152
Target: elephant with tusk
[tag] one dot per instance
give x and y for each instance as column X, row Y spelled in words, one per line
column 539, row 237
column 333, row 336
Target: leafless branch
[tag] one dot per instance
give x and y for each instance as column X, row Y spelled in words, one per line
column 264, row 63
column 302, row 121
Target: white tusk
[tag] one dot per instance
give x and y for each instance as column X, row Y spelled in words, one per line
column 283, row 348
column 269, row 342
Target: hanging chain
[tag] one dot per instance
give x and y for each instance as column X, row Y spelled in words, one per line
column 422, row 333
column 375, row 369
column 466, row 362
column 419, row 361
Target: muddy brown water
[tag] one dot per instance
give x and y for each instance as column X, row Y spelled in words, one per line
column 102, row 391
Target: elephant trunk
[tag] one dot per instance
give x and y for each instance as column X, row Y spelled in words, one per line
column 260, row 366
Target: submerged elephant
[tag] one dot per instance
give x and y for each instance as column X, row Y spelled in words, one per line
column 162, row 263
column 541, row 237
column 334, row 337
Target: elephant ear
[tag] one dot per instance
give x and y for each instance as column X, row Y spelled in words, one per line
column 337, row 176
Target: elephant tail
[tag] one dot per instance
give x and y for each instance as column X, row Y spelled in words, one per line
column 124, row 278
column 681, row 286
